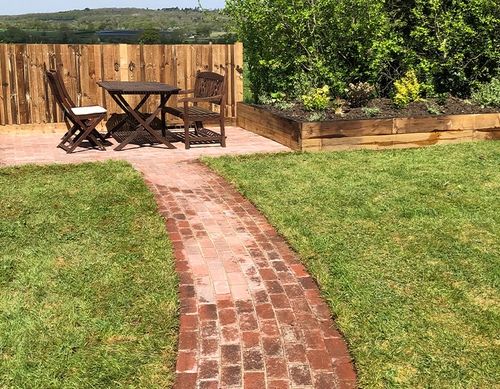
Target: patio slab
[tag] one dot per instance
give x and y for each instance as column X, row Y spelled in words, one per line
column 251, row 316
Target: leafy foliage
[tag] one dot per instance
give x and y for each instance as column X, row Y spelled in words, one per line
column 150, row 36
column 407, row 90
column 452, row 45
column 285, row 42
column 488, row 94
column 317, row 100
column 358, row 94
column 432, row 109
column 371, row 111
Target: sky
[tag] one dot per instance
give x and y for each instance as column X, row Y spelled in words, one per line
column 19, row 7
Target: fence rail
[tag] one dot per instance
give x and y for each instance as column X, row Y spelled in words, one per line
column 25, row 97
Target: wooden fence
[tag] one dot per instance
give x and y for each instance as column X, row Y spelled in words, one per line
column 25, row 97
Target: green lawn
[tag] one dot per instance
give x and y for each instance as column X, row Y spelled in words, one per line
column 405, row 247
column 88, row 291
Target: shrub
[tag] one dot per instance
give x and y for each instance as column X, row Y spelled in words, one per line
column 278, row 96
column 432, row 109
column 318, row 99
column 442, row 97
column 371, row 111
column 277, row 99
column 317, row 116
column 338, row 104
column 488, row 94
column 358, row 94
column 284, row 105
column 407, row 90
column 334, row 42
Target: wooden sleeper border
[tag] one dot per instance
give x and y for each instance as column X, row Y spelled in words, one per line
column 368, row 133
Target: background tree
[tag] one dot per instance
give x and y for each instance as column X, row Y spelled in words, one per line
column 14, row 35
column 150, row 36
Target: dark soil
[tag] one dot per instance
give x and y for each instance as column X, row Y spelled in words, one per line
column 429, row 107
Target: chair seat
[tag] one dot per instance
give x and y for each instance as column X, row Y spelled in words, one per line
column 90, row 110
column 203, row 136
column 194, row 112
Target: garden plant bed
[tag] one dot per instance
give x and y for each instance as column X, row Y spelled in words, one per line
column 413, row 126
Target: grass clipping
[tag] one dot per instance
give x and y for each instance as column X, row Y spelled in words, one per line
column 88, row 291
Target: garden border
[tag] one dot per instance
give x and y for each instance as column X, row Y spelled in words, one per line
column 367, row 133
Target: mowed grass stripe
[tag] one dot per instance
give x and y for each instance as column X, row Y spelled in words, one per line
column 88, row 291
column 404, row 245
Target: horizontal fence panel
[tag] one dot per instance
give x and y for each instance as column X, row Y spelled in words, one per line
column 25, row 97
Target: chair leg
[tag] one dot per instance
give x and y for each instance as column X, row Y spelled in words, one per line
column 186, row 134
column 79, row 135
column 197, row 126
column 69, row 137
column 222, row 134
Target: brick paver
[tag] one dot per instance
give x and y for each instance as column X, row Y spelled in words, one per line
column 251, row 316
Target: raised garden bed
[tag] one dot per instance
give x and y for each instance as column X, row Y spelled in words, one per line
column 369, row 133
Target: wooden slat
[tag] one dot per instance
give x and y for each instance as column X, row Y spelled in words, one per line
column 35, row 71
column 395, row 141
column 13, row 82
column 170, row 73
column 5, row 85
column 22, row 87
column 84, row 76
column 124, row 62
column 347, row 128
column 487, row 121
column 44, row 88
column 111, row 69
column 180, row 65
column 26, row 98
column 67, row 67
column 487, row 135
column 51, row 109
column 151, row 57
column 134, row 70
column 237, row 78
column 93, row 75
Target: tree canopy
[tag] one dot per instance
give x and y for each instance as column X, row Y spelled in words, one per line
column 172, row 25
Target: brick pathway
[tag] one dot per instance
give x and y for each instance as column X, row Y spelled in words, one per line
column 251, row 317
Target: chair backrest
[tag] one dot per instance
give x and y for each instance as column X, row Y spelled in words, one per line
column 59, row 91
column 210, row 84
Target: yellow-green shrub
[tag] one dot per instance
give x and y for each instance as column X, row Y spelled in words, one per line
column 408, row 89
column 318, row 99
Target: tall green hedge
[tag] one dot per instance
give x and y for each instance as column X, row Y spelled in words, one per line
column 290, row 45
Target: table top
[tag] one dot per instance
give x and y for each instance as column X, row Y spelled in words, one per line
column 138, row 87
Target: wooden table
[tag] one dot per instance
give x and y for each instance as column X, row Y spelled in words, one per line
column 118, row 90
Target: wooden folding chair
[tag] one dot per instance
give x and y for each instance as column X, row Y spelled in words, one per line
column 81, row 121
column 209, row 88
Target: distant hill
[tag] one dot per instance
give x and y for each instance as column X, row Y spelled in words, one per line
column 173, row 23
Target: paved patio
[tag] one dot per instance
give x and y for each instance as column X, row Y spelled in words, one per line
column 251, row 316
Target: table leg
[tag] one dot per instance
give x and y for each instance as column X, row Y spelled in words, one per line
column 141, row 123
